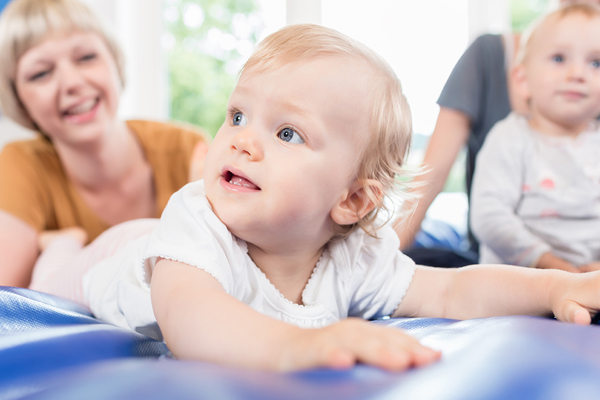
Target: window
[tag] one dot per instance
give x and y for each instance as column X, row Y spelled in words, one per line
column 523, row 12
column 207, row 42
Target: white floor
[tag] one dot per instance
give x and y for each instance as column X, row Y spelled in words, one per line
column 452, row 208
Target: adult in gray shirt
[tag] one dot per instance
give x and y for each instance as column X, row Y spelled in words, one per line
column 475, row 97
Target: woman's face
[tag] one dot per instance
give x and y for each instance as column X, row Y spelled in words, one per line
column 70, row 86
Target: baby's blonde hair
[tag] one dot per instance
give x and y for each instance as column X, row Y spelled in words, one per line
column 26, row 23
column 525, row 45
column 390, row 125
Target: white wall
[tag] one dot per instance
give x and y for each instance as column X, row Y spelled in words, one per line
column 10, row 131
column 303, row 12
column 138, row 27
column 488, row 16
column 422, row 40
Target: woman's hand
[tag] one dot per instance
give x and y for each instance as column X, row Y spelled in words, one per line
column 197, row 162
column 18, row 250
column 351, row 341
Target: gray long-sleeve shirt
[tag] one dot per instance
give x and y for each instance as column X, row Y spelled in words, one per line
column 533, row 193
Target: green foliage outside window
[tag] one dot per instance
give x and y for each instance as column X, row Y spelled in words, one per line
column 207, row 42
column 523, row 12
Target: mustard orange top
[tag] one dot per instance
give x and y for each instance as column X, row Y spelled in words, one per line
column 34, row 187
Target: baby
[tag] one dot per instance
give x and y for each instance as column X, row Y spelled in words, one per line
column 536, row 191
column 282, row 234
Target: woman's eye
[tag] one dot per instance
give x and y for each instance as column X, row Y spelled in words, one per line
column 557, row 58
column 239, row 119
column 88, row 57
column 595, row 64
column 38, row 76
column 289, row 135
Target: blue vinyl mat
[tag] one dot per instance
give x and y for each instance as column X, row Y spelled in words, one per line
column 51, row 348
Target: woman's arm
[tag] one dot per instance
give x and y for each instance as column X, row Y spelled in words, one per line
column 493, row 290
column 199, row 320
column 448, row 138
column 19, row 249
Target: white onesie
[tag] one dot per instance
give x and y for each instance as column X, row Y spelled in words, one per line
column 359, row 276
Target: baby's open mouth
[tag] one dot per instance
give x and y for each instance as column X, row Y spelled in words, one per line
column 239, row 181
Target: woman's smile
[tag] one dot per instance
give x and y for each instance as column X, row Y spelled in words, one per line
column 82, row 112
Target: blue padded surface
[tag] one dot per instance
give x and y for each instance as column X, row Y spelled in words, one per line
column 438, row 234
column 53, row 349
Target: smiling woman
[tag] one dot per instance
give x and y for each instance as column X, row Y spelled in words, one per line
column 62, row 75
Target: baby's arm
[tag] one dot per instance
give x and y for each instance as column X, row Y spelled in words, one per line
column 593, row 266
column 493, row 290
column 199, row 320
column 550, row 261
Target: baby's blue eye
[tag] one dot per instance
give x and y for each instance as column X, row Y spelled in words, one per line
column 557, row 58
column 289, row 135
column 239, row 119
column 595, row 64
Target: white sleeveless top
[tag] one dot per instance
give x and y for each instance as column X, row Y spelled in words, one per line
column 359, row 276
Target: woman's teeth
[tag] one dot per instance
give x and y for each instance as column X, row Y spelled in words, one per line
column 83, row 107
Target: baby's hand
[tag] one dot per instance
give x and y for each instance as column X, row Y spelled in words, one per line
column 576, row 297
column 593, row 266
column 76, row 233
column 351, row 341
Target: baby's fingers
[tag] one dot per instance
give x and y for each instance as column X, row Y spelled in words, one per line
column 346, row 343
column 394, row 350
column 574, row 313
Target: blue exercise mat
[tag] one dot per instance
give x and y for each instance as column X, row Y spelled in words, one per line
column 51, row 348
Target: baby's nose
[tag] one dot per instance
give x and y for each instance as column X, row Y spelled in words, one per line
column 247, row 142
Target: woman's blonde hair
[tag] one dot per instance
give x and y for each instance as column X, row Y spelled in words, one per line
column 382, row 158
column 26, row 23
column 525, row 45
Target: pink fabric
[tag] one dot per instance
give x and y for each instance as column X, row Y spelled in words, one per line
column 60, row 268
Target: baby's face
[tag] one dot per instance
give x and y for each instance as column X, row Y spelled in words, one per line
column 288, row 150
column 563, row 70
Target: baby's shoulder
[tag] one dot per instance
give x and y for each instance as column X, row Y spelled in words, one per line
column 365, row 250
column 189, row 216
column 513, row 132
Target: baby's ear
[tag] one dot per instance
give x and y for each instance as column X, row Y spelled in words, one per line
column 519, row 77
column 357, row 202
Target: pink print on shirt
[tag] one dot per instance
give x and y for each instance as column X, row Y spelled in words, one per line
column 549, row 212
column 547, row 183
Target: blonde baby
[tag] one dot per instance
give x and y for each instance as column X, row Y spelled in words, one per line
column 536, row 189
column 277, row 258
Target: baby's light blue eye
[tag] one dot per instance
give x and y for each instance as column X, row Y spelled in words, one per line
column 289, row 135
column 558, row 58
column 595, row 64
column 239, row 119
